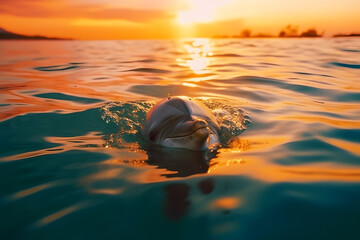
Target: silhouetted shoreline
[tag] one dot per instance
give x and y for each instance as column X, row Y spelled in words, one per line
column 289, row 31
column 347, row 35
column 6, row 35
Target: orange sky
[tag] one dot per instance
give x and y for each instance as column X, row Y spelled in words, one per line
column 138, row 19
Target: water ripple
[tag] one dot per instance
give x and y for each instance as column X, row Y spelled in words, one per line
column 66, row 97
column 151, row 70
column 346, row 65
column 63, row 67
column 349, row 50
column 227, row 55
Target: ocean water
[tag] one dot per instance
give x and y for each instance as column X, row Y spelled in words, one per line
column 74, row 165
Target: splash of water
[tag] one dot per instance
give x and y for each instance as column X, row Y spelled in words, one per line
column 232, row 119
column 129, row 117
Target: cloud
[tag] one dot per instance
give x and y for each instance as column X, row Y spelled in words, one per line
column 172, row 5
column 105, row 23
column 63, row 9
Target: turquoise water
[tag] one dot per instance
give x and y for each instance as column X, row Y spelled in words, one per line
column 73, row 163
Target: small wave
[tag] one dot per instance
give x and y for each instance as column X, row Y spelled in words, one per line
column 348, row 97
column 49, row 131
column 312, row 74
column 350, row 135
column 62, row 67
column 5, row 105
column 129, row 118
column 315, row 150
column 269, row 64
column 141, row 61
column 272, row 55
column 235, row 65
column 232, row 119
column 227, row 55
column 66, row 97
column 251, row 79
column 345, row 65
column 159, row 91
column 349, row 50
column 178, row 90
column 329, row 94
column 228, row 44
column 152, row 70
column 101, row 78
column 193, row 75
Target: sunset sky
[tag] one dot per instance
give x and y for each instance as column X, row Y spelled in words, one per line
column 144, row 19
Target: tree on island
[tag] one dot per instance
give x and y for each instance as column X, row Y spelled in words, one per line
column 310, row 33
column 347, row 35
column 292, row 31
column 246, row 33
column 289, row 31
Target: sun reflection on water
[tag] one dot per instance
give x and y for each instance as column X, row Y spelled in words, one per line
column 199, row 52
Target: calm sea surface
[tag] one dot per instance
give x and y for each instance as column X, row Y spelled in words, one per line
column 73, row 163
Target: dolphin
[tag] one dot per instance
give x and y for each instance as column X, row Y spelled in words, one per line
column 182, row 122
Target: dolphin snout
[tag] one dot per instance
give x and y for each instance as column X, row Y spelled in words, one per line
column 192, row 134
column 199, row 123
column 187, row 127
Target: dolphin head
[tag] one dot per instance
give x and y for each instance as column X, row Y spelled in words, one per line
column 180, row 122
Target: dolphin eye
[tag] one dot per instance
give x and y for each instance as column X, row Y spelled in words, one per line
column 152, row 136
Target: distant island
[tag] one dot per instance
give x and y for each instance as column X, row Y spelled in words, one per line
column 6, row 35
column 348, row 35
column 289, row 31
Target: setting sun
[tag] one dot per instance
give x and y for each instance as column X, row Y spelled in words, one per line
column 195, row 16
column 201, row 11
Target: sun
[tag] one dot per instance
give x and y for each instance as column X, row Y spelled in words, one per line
column 196, row 15
column 200, row 11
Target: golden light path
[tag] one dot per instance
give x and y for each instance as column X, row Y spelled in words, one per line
column 197, row 61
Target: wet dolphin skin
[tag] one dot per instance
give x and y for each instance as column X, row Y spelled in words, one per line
column 181, row 122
